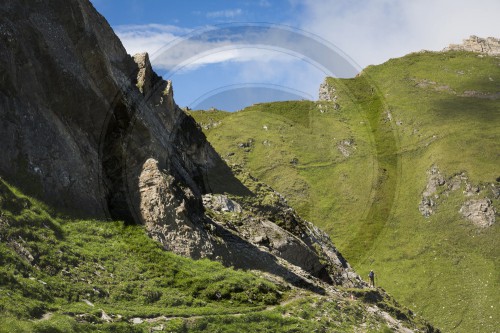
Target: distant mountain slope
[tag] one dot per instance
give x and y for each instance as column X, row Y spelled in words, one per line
column 400, row 166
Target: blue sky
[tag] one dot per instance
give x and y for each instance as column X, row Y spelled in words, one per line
column 295, row 45
column 195, row 13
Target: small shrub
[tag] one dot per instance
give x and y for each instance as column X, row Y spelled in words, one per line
column 152, row 296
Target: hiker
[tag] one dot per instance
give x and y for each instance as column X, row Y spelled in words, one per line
column 371, row 275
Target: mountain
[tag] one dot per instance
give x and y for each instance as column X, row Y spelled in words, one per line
column 105, row 183
column 400, row 166
column 117, row 146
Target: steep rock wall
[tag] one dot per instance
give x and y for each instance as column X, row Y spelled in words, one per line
column 75, row 129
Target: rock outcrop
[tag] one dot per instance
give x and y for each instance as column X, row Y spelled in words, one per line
column 435, row 179
column 95, row 133
column 328, row 93
column 489, row 46
column 346, row 147
column 477, row 207
column 480, row 212
column 271, row 226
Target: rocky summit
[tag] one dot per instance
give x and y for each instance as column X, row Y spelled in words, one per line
column 489, row 46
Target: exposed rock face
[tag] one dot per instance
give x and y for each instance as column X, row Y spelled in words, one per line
column 221, row 203
column 50, row 134
column 426, row 206
column 346, row 147
column 77, row 132
column 432, row 85
column 435, row 179
column 327, row 92
column 165, row 214
column 276, row 229
column 480, row 211
column 96, row 133
column 490, row 45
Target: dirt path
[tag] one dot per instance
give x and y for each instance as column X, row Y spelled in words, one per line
column 139, row 320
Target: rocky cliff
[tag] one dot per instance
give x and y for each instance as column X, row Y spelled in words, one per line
column 490, row 45
column 94, row 132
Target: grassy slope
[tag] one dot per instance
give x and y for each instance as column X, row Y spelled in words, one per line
column 284, row 131
column 58, row 275
column 442, row 266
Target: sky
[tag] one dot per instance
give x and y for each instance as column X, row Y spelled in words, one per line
column 230, row 54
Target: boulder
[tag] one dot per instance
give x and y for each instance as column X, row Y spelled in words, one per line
column 479, row 211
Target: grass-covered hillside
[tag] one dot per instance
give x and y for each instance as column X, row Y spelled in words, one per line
column 401, row 168
column 60, row 275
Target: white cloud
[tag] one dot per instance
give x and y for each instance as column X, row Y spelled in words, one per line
column 168, row 48
column 228, row 13
column 190, row 55
column 270, row 55
column 284, row 70
column 239, row 54
column 373, row 31
column 149, row 37
column 209, row 46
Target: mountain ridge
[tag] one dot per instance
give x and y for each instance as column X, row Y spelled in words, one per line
column 441, row 109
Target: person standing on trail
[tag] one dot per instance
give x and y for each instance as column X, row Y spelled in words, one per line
column 371, row 275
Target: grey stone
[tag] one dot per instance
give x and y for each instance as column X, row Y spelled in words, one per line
column 327, row 93
column 221, row 203
column 426, row 206
column 480, row 212
column 346, row 147
column 489, row 46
